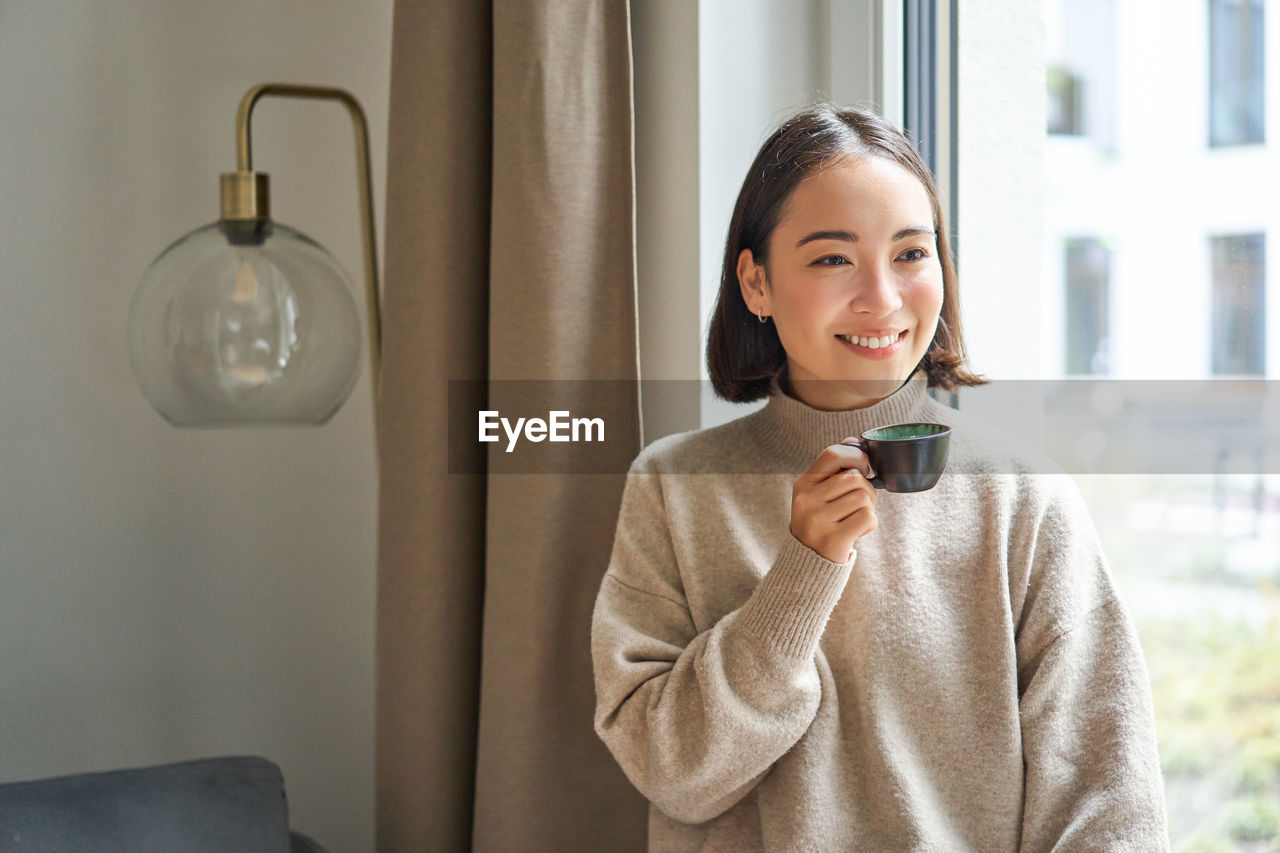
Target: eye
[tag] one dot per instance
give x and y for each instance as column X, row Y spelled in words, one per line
column 913, row 255
column 831, row 261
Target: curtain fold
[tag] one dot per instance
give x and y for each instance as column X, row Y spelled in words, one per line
column 509, row 256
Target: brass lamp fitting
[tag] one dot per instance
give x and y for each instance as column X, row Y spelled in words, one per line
column 245, row 204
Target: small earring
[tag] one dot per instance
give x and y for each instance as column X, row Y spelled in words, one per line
column 760, row 314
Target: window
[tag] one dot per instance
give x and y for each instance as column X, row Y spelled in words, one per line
column 1066, row 103
column 1082, row 58
column 1088, row 264
column 1151, row 266
column 1239, row 305
column 1236, row 115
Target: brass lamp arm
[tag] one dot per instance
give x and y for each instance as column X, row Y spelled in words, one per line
column 244, row 165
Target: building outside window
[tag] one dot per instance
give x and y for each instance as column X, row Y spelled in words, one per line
column 1178, row 293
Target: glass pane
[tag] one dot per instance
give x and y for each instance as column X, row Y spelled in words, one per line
column 1236, row 72
column 1196, row 559
column 1156, row 227
column 1088, row 272
column 1239, row 304
column 1065, row 98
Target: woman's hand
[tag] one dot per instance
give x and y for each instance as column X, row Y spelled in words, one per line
column 833, row 503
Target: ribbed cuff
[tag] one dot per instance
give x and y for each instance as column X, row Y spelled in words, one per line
column 791, row 605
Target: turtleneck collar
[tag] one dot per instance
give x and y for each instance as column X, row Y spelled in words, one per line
column 794, row 432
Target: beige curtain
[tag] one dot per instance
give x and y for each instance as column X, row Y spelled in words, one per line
column 509, row 255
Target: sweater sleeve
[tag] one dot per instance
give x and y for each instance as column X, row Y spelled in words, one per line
column 697, row 718
column 1088, row 730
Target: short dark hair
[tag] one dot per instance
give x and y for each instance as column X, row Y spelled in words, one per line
column 743, row 354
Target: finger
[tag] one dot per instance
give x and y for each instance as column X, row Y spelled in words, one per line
column 859, row 522
column 837, row 458
column 870, row 472
column 846, row 505
column 842, row 483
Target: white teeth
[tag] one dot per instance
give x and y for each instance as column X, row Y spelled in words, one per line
column 870, row 343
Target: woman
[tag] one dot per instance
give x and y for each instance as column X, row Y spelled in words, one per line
column 790, row 662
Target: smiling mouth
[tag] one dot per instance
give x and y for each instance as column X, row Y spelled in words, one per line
column 873, row 343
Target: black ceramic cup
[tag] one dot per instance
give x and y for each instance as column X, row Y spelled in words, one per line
column 906, row 457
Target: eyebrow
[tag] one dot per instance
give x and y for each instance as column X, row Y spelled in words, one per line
column 850, row 237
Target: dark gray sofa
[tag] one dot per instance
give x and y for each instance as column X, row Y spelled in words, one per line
column 215, row 805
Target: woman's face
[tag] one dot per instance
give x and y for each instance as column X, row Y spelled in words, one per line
column 853, row 282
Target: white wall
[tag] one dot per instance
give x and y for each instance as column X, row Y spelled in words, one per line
column 169, row 594
column 1000, row 125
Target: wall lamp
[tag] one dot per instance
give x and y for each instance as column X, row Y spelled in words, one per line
column 246, row 321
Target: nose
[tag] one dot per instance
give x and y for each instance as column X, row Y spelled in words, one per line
column 876, row 292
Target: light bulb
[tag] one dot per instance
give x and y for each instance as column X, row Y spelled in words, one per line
column 226, row 331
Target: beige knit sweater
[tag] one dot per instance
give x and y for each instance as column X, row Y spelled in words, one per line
column 968, row 681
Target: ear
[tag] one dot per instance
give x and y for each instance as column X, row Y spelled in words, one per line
column 754, row 284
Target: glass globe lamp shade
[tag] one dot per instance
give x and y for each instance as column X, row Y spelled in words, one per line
column 243, row 323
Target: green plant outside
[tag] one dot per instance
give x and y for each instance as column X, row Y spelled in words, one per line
column 1215, row 672
column 1216, row 687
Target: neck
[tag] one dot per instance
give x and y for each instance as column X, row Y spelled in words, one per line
column 794, row 432
column 840, row 395
column 828, row 396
